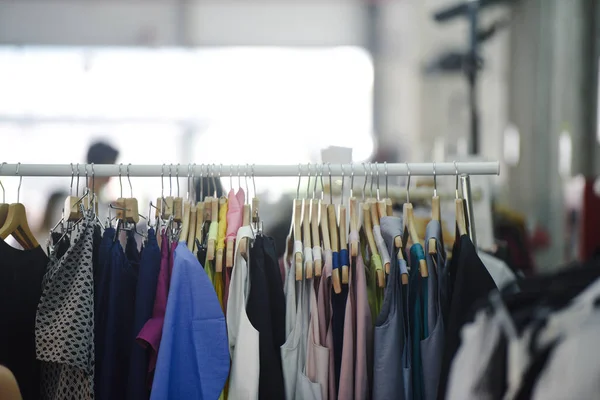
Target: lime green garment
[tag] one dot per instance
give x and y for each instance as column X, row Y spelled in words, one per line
column 375, row 294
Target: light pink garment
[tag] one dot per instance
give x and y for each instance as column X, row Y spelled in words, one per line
column 235, row 212
column 317, row 356
column 235, row 216
column 363, row 356
column 346, row 388
column 325, row 313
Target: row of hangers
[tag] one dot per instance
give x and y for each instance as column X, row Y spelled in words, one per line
column 312, row 216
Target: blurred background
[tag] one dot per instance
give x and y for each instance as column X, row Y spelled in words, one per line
column 280, row 81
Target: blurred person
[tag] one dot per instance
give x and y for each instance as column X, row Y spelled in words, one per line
column 101, row 152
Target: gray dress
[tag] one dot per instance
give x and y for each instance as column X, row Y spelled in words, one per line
column 432, row 347
column 392, row 357
column 64, row 328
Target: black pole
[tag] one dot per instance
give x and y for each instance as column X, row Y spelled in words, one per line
column 471, row 71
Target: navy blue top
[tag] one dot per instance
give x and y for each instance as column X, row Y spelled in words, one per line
column 115, row 331
column 137, row 387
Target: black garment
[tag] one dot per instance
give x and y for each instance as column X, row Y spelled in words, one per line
column 265, row 292
column 276, row 294
column 338, row 306
column 469, row 282
column 21, row 273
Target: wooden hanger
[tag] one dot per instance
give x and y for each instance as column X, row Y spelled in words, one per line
column 316, row 240
column 211, row 247
column 324, row 223
column 368, row 229
column 221, row 252
column 410, row 227
column 192, row 228
column 306, row 239
column 375, row 209
column 334, row 238
column 16, row 223
column 343, row 229
column 298, row 237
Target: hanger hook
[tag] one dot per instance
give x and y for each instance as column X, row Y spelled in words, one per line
column 128, row 180
column 72, row 176
column 171, row 179
column 456, row 190
column 314, row 193
column 201, row 183
column 93, row 182
column 177, row 177
column 192, row 192
column 4, row 193
column 239, row 176
column 408, row 184
column 77, row 191
column 387, row 196
column 253, row 181
column 377, row 169
column 308, row 184
column 299, row 178
column 214, row 181
column 351, row 180
column 321, row 178
column 20, row 181
column 247, row 194
column 231, row 176
column 342, row 197
column 366, row 180
column 434, row 181
column 372, row 180
column 120, row 181
column 330, row 185
column 87, row 186
column 162, row 181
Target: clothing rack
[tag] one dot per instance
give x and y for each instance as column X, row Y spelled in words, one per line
column 458, row 169
column 293, row 170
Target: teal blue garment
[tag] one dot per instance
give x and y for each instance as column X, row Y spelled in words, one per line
column 193, row 360
column 418, row 318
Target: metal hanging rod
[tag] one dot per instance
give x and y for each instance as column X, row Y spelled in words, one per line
column 293, row 170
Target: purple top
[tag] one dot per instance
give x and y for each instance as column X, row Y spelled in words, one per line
column 151, row 332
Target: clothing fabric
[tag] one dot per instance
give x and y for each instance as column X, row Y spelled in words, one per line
column 470, row 281
column 116, row 332
column 235, row 215
column 390, row 341
column 418, row 314
column 432, row 347
column 317, row 356
column 150, row 335
column 293, row 352
column 346, row 378
column 498, row 269
column 244, row 342
column 64, row 326
column 193, row 361
column 21, row 275
column 391, row 228
column 137, row 388
column 363, row 353
column 268, row 318
column 325, row 312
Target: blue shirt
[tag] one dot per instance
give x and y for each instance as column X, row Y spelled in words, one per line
column 193, row 360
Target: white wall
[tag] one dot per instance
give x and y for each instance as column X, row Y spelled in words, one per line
column 193, row 23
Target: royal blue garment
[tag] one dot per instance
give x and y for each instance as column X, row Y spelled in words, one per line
column 193, row 360
column 418, row 318
column 115, row 335
column 137, row 387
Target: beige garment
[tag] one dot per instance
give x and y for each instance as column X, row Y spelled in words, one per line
column 346, row 387
column 363, row 357
column 243, row 338
column 325, row 313
column 317, row 356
